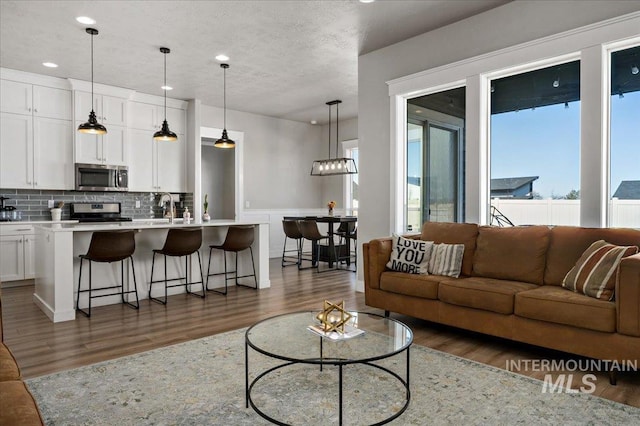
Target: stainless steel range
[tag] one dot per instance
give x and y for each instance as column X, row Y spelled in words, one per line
column 97, row 212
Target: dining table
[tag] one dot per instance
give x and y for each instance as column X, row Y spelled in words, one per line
column 330, row 221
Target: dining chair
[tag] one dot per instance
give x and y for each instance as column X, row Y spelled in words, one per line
column 309, row 231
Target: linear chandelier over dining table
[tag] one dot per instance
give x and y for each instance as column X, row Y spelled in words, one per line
column 334, row 166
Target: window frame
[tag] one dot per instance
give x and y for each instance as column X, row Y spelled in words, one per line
column 589, row 44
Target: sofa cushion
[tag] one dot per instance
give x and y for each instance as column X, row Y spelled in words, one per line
column 424, row 286
column 410, row 255
column 567, row 243
column 516, row 254
column 18, row 405
column 446, row 259
column 596, row 271
column 482, row 293
column 8, row 367
column 454, row 233
column 561, row 306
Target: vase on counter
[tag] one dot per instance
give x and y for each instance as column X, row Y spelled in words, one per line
column 330, row 212
column 205, row 217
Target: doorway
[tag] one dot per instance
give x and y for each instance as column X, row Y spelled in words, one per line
column 220, row 176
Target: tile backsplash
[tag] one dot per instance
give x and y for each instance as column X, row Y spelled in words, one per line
column 32, row 203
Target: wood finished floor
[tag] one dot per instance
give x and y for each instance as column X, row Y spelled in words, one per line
column 42, row 347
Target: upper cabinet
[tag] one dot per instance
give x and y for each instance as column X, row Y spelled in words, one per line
column 144, row 116
column 110, row 110
column 39, row 101
column 35, row 137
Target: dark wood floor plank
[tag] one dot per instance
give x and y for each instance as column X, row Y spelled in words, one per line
column 42, row 347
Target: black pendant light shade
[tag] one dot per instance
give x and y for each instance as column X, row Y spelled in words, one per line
column 164, row 134
column 334, row 166
column 224, row 141
column 92, row 126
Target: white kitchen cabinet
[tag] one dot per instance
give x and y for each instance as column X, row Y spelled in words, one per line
column 143, row 116
column 110, row 148
column 39, row 101
column 17, row 251
column 110, row 110
column 35, row 137
column 36, row 152
column 156, row 166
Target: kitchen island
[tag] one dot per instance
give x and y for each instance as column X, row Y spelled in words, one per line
column 58, row 246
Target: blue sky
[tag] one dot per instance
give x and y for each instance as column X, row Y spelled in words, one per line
column 545, row 142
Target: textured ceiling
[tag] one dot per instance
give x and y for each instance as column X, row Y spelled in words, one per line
column 287, row 57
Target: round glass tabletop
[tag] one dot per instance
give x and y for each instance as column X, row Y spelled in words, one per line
column 288, row 337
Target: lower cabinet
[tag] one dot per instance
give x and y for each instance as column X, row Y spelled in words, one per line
column 156, row 166
column 17, row 254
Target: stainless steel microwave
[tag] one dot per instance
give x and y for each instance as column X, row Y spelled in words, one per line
column 99, row 177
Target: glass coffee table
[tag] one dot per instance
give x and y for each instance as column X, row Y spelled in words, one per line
column 293, row 351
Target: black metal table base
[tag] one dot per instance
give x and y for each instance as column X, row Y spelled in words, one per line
column 322, row 362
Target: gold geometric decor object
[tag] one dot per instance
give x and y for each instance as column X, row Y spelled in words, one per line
column 333, row 317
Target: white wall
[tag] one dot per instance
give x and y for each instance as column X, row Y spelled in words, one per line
column 508, row 25
column 277, row 159
column 333, row 186
column 218, row 181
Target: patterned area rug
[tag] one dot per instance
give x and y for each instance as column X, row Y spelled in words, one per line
column 201, row 382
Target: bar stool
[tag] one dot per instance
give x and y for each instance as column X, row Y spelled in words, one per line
column 309, row 231
column 238, row 238
column 179, row 242
column 108, row 247
column 347, row 231
column 291, row 231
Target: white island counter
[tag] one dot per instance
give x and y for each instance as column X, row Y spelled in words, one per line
column 58, row 246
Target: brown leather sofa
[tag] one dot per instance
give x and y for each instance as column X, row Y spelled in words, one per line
column 510, row 286
column 17, row 406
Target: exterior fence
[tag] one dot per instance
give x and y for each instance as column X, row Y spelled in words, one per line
column 623, row 213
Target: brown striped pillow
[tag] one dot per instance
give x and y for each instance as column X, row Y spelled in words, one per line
column 446, row 259
column 595, row 273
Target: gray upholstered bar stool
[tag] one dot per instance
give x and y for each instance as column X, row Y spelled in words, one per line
column 108, row 247
column 180, row 242
column 291, row 231
column 309, row 231
column 238, row 238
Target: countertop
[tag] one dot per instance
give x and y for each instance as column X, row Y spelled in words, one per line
column 136, row 224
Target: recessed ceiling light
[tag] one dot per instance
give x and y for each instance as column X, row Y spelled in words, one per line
column 418, row 111
column 314, row 122
column 85, row 20
column 367, row 1
column 222, row 58
column 167, row 88
column 50, row 65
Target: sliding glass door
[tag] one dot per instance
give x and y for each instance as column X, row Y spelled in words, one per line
column 435, row 159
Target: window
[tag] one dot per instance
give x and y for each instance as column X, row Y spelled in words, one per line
column 350, row 149
column 435, row 158
column 624, row 208
column 535, row 147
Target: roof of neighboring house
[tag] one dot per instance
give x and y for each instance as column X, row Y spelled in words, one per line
column 628, row 190
column 511, row 183
column 413, row 180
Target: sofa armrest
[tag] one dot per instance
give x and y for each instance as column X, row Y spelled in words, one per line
column 628, row 296
column 376, row 256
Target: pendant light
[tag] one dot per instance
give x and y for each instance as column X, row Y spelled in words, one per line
column 224, row 141
column 334, row 166
column 92, row 126
column 165, row 134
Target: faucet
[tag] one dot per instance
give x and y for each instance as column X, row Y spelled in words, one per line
column 171, row 205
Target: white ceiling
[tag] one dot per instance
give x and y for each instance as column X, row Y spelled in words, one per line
column 287, row 58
